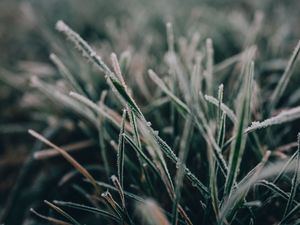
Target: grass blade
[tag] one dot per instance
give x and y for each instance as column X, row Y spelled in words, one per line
column 63, row 213
column 182, row 107
column 87, row 209
column 82, row 46
column 231, row 115
column 121, row 149
column 295, row 181
column 240, row 141
column 283, row 117
column 282, row 84
column 68, row 157
column 66, row 74
column 50, row 219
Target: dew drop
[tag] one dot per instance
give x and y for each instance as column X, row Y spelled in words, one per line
column 149, row 124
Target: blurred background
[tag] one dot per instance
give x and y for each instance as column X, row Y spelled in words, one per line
column 28, row 37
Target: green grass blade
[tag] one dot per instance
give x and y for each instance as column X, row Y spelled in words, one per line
column 238, row 146
column 124, row 94
column 139, row 151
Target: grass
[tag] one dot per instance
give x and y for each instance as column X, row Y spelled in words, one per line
column 195, row 140
column 157, row 149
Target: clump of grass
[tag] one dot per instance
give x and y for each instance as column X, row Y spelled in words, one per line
column 214, row 189
column 198, row 142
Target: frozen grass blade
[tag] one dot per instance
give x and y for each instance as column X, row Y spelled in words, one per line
column 282, row 84
column 66, row 74
column 165, row 148
column 58, row 97
column 112, row 204
column 101, row 134
column 91, row 54
column 273, row 187
column 139, row 152
column 230, row 206
column 196, row 79
column 213, row 181
column 126, row 193
column 87, row 209
column 95, row 107
column 170, row 37
column 221, row 118
column 120, row 190
column 183, row 154
column 86, row 50
column 50, row 219
column 182, row 107
column 220, row 100
column 231, row 115
column 209, row 66
column 63, row 213
column 285, row 167
column 125, row 95
column 283, row 117
column 295, row 181
column 68, row 157
column 222, row 131
column 240, row 140
column 121, row 149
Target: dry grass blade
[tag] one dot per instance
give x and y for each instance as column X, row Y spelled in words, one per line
column 68, row 157
column 49, row 153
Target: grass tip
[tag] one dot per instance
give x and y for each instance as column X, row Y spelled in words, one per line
column 60, row 25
